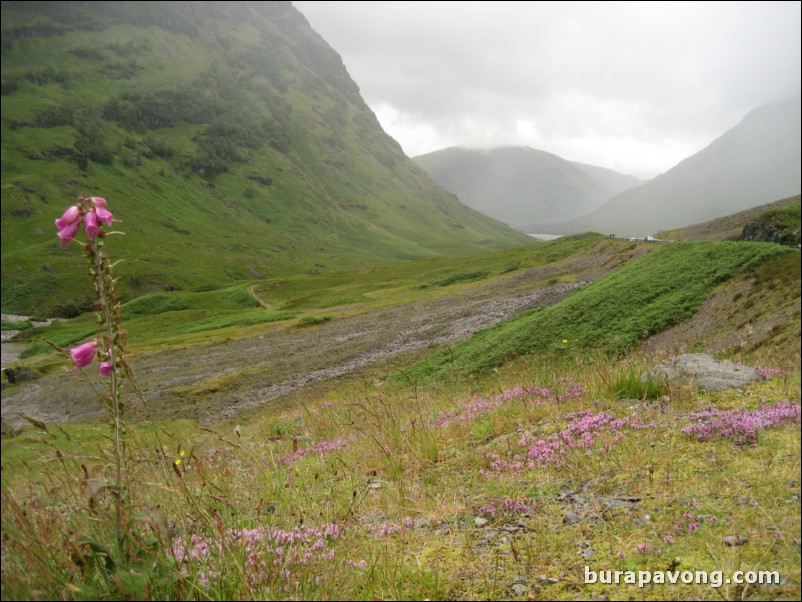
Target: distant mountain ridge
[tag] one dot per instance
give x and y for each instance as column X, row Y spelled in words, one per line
column 228, row 136
column 614, row 181
column 522, row 185
column 753, row 163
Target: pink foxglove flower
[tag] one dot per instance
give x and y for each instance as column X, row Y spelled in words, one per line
column 83, row 354
column 70, row 216
column 98, row 201
column 67, row 233
column 105, row 368
column 91, row 224
column 103, row 215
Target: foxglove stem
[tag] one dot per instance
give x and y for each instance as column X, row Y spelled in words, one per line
column 104, row 294
column 92, row 212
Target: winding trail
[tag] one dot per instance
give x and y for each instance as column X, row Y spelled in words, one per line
column 259, row 300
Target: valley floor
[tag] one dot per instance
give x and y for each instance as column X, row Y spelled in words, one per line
column 219, row 381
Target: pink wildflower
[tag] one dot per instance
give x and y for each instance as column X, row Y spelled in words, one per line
column 105, row 368
column 104, row 215
column 70, row 216
column 91, row 224
column 67, row 233
column 83, row 354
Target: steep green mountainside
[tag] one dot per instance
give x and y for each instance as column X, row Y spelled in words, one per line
column 228, row 138
column 752, row 163
column 517, row 185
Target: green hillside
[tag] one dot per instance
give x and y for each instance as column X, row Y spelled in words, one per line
column 228, row 138
column 645, row 297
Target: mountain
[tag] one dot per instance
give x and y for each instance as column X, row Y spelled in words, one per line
column 227, row 136
column 755, row 162
column 521, row 185
column 614, row 181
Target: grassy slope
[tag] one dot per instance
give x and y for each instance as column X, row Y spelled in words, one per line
column 423, row 507
column 653, row 293
column 730, row 227
column 231, row 152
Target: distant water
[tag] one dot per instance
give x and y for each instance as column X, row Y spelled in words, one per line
column 545, row 236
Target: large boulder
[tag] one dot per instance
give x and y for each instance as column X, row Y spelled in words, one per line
column 707, row 373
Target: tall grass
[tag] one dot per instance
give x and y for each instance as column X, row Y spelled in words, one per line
column 390, row 493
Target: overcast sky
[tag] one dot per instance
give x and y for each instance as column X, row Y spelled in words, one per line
column 633, row 86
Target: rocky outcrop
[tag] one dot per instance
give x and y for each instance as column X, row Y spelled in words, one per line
column 773, row 231
column 704, row 371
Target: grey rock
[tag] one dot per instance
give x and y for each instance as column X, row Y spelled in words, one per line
column 707, row 373
column 18, row 375
column 571, row 518
column 735, row 540
column 489, row 537
column 519, row 590
column 609, row 503
column 422, row 523
column 587, row 553
column 9, row 428
column 445, row 529
column 774, row 231
column 480, row 522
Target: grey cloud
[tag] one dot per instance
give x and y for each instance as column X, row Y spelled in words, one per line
column 657, row 81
